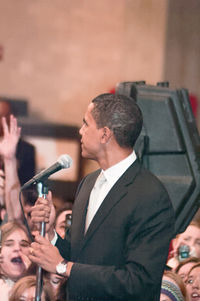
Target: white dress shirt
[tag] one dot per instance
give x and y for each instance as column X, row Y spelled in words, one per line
column 111, row 176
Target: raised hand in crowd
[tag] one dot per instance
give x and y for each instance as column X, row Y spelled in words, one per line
column 11, row 135
column 8, row 145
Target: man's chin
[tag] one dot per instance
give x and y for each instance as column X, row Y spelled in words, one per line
column 87, row 156
column 84, row 154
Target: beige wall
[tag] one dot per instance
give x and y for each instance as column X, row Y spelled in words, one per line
column 59, row 54
column 182, row 59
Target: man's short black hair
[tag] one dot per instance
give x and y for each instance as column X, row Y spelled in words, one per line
column 120, row 114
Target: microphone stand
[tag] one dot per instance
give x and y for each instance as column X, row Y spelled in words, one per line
column 42, row 192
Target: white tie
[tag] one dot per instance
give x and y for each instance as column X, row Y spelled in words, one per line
column 96, row 198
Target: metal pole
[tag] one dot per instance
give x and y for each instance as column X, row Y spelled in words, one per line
column 42, row 192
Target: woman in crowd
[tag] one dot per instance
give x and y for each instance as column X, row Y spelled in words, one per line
column 193, row 283
column 14, row 260
column 24, row 290
column 191, row 239
column 184, row 267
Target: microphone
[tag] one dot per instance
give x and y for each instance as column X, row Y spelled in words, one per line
column 64, row 161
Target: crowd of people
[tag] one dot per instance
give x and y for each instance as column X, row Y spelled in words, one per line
column 17, row 273
column 184, row 268
column 118, row 250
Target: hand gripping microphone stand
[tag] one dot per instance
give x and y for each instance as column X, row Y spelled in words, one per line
column 42, row 192
column 64, row 161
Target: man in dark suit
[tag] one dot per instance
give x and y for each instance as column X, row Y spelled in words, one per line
column 121, row 228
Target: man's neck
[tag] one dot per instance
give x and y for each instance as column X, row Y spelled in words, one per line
column 111, row 158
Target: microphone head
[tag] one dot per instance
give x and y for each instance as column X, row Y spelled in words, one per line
column 65, row 161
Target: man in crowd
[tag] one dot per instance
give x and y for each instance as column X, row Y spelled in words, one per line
column 122, row 220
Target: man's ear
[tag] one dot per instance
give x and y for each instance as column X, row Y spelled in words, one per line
column 106, row 134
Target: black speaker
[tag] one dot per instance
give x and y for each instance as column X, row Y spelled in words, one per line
column 169, row 144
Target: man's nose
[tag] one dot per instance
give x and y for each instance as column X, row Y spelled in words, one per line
column 80, row 130
column 17, row 247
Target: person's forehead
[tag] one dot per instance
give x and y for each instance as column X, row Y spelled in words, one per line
column 90, row 107
column 191, row 230
column 17, row 233
column 88, row 114
column 195, row 272
column 186, row 267
column 29, row 292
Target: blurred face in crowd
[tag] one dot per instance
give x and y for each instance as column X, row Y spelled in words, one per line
column 29, row 294
column 193, row 284
column 14, row 254
column 191, row 238
column 61, row 223
column 55, row 281
column 184, row 270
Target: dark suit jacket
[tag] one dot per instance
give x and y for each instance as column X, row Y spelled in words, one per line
column 123, row 254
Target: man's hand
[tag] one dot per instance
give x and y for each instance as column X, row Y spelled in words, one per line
column 44, row 211
column 10, row 138
column 43, row 253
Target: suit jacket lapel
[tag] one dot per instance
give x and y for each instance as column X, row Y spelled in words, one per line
column 80, row 211
column 117, row 192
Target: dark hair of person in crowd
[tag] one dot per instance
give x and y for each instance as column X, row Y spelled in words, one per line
column 67, row 206
column 61, row 294
column 194, row 267
column 187, row 260
column 63, row 219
